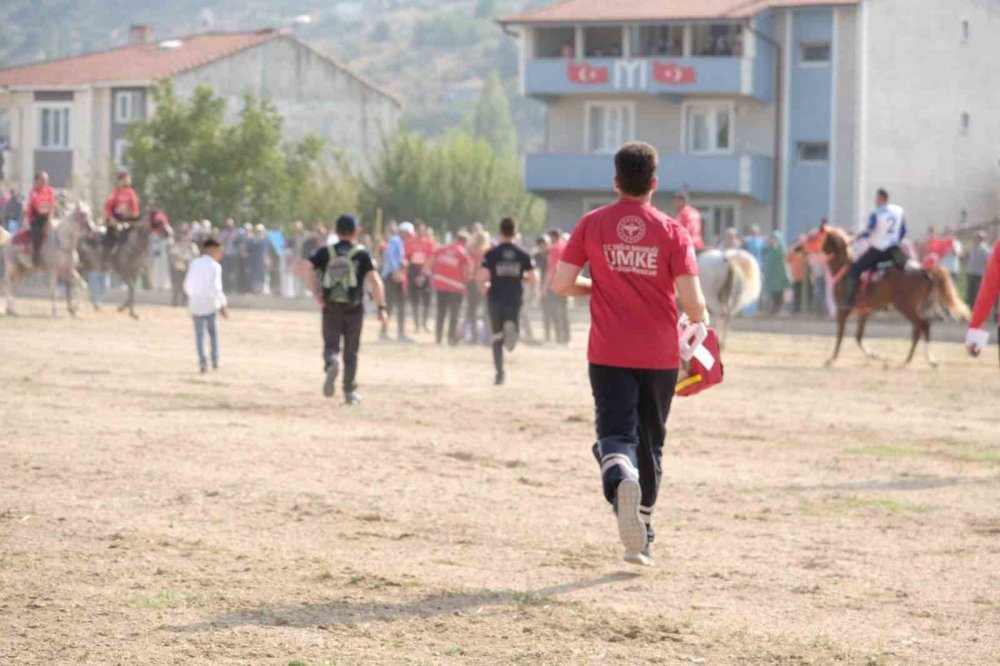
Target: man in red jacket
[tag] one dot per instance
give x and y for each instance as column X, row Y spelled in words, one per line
column 989, row 292
column 689, row 218
column 41, row 206
column 450, row 272
column 122, row 205
column 639, row 259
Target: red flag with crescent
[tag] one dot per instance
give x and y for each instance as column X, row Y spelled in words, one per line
column 587, row 74
column 673, row 74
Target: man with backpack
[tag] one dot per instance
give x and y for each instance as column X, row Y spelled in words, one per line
column 341, row 271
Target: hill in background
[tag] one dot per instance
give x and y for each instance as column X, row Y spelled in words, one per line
column 433, row 54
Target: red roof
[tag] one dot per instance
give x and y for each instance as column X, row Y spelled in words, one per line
column 596, row 11
column 146, row 62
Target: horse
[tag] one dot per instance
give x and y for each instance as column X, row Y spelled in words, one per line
column 731, row 281
column 130, row 255
column 913, row 290
column 59, row 257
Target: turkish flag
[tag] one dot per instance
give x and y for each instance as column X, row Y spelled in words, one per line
column 673, row 74
column 587, row 74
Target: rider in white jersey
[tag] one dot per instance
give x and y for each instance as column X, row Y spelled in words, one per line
column 885, row 230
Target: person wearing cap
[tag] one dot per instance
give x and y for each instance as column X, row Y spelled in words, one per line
column 638, row 257
column 394, row 277
column 689, row 218
column 342, row 299
column 989, row 293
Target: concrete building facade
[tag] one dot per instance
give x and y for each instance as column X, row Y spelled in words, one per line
column 770, row 112
column 70, row 116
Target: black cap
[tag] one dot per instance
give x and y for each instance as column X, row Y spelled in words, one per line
column 346, row 225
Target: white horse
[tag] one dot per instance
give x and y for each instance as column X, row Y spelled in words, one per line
column 731, row 281
column 59, row 257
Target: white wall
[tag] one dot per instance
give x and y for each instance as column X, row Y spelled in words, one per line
column 919, row 82
column 313, row 95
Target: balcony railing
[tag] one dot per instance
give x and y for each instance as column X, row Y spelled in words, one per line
column 733, row 175
column 655, row 76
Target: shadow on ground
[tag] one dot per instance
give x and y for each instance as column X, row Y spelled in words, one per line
column 353, row 613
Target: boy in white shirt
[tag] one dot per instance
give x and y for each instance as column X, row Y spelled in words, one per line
column 203, row 285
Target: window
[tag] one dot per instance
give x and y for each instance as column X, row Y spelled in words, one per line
column 4, row 129
column 715, row 219
column 814, row 53
column 555, row 42
column 709, row 128
column 609, row 125
column 965, row 32
column 53, row 127
column 965, row 123
column 657, row 40
column 126, row 106
column 602, row 42
column 121, row 145
column 813, row 153
column 717, row 39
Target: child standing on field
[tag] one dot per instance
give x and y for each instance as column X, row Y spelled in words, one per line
column 203, row 285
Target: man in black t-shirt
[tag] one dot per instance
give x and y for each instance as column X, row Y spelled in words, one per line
column 341, row 271
column 504, row 272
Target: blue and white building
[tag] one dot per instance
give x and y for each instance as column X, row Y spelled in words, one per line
column 770, row 112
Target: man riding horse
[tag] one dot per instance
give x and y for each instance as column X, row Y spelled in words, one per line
column 885, row 231
column 41, row 205
column 121, row 206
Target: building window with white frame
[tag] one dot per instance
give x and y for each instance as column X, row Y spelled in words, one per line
column 813, row 153
column 53, row 127
column 126, row 106
column 716, row 218
column 965, row 32
column 609, row 125
column 814, row 54
column 121, row 145
column 709, row 129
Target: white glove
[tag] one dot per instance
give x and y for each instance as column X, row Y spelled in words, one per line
column 977, row 339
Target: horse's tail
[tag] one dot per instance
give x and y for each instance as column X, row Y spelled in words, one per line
column 944, row 295
column 746, row 269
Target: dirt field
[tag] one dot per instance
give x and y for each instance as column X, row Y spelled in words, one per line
column 149, row 515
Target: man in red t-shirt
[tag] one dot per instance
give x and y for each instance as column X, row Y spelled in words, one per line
column 640, row 261
column 419, row 249
column 450, row 271
column 558, row 305
column 41, row 206
column 989, row 293
column 689, row 218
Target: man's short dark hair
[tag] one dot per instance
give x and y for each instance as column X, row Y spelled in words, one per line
column 121, row 174
column 883, row 193
column 635, row 167
column 555, row 234
column 508, row 227
column 346, row 225
column 682, row 195
column 209, row 244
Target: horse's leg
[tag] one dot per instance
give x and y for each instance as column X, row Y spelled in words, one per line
column 54, row 291
column 860, row 337
column 925, row 326
column 71, row 285
column 8, row 288
column 128, row 291
column 915, row 321
column 842, row 315
column 131, row 302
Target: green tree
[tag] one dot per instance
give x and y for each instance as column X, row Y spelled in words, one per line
column 491, row 120
column 448, row 183
column 188, row 161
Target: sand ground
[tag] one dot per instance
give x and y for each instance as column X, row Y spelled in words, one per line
column 149, row 515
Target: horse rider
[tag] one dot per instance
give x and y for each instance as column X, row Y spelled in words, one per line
column 885, row 231
column 41, row 205
column 122, row 205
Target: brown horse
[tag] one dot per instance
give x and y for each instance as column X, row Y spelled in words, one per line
column 912, row 290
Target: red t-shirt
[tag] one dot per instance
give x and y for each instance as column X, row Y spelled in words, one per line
column 555, row 253
column 122, row 201
column 989, row 291
column 689, row 218
column 451, row 267
column 635, row 253
column 419, row 250
column 41, row 202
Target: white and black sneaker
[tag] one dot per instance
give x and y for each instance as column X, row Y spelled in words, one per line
column 644, row 558
column 631, row 527
column 330, row 382
column 510, row 335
